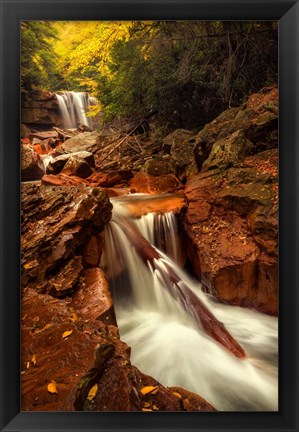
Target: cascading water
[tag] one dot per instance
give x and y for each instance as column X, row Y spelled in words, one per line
column 167, row 342
column 73, row 107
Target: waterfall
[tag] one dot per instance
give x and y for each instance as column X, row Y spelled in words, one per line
column 73, row 107
column 153, row 313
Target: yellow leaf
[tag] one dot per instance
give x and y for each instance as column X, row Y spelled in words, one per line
column 28, row 365
column 52, row 388
column 155, row 408
column 33, row 360
column 92, row 392
column 67, row 333
column 177, row 395
column 44, row 328
column 145, row 409
column 146, row 405
column 149, row 389
column 74, row 317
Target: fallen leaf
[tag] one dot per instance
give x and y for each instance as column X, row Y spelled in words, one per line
column 149, row 389
column 92, row 392
column 28, row 365
column 155, row 408
column 74, row 317
column 52, row 388
column 33, row 360
column 177, row 395
column 44, row 328
column 146, row 405
column 67, row 333
column 145, row 409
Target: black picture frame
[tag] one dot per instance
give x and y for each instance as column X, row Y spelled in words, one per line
column 286, row 12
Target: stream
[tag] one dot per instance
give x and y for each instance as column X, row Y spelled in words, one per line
column 157, row 321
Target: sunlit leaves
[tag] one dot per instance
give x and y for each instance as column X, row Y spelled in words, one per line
column 92, row 392
column 52, row 387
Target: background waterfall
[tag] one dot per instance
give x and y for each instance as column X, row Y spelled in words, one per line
column 73, row 107
column 165, row 341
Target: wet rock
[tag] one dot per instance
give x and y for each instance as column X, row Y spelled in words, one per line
column 77, row 167
column 191, row 401
column 56, row 164
column 56, row 221
column 92, row 251
column 228, row 151
column 74, row 363
column 144, row 182
column 231, row 231
column 65, row 281
column 168, row 398
column 31, row 165
column 92, row 299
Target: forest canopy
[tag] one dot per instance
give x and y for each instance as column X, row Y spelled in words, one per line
column 182, row 70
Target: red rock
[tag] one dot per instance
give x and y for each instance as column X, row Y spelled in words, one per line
column 65, row 281
column 92, row 251
column 31, row 165
column 92, row 299
column 144, row 182
column 192, row 401
column 111, row 178
column 231, row 231
column 62, row 180
column 73, row 363
column 56, row 223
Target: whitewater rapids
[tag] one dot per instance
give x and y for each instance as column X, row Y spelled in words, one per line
column 165, row 341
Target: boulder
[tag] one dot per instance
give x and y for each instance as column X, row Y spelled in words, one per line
column 92, row 299
column 257, row 118
column 77, row 167
column 56, row 164
column 182, row 160
column 31, row 165
column 56, row 222
column 231, row 231
column 228, row 151
column 63, row 356
column 85, row 141
column 92, row 251
column 144, row 182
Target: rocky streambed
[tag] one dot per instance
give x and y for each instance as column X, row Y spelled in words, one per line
column 72, row 356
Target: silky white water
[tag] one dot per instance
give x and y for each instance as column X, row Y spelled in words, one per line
column 73, row 107
column 166, row 342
